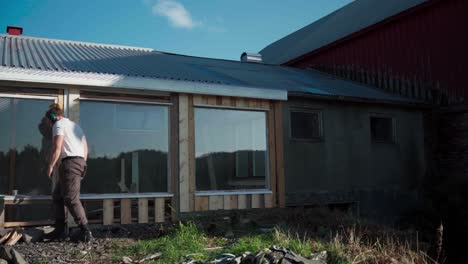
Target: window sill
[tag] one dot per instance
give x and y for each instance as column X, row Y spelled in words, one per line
column 89, row 196
column 236, row 192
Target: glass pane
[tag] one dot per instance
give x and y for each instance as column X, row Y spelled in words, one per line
column 25, row 146
column 305, row 125
column 382, row 129
column 128, row 147
column 231, row 149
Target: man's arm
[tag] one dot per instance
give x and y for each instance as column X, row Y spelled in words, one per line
column 58, row 141
column 85, row 145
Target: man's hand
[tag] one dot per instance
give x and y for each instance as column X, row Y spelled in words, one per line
column 49, row 172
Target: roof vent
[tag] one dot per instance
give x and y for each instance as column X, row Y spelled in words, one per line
column 14, row 30
column 251, row 57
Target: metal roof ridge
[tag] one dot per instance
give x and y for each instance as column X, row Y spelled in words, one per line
column 80, row 43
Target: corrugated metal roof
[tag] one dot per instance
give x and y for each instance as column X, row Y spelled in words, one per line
column 56, row 61
column 345, row 21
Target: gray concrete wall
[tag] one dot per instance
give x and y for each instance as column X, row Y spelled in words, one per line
column 347, row 166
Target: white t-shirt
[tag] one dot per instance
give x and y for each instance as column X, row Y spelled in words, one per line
column 72, row 138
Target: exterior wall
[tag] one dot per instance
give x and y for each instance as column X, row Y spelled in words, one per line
column 182, row 196
column 420, row 53
column 347, row 167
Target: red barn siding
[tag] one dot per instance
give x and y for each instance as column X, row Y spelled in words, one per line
column 420, row 53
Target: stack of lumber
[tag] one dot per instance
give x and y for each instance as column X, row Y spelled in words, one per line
column 10, row 237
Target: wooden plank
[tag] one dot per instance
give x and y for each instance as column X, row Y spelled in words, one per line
column 201, row 203
column 108, row 212
column 159, row 205
column 256, row 201
column 70, row 220
column 29, row 223
column 125, row 211
column 184, row 151
column 268, row 200
column 272, row 152
column 2, row 212
column 142, row 210
column 234, row 201
column 197, row 100
column 212, row 100
column 174, row 159
column 227, row 202
column 242, row 102
column 242, row 201
column 74, row 104
column 191, row 142
column 227, row 101
column 264, row 104
column 216, row 202
column 279, row 154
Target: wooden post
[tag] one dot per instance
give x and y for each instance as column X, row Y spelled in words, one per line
column 272, row 152
column 159, row 210
column 125, row 211
column 279, row 154
column 142, row 211
column 242, row 201
column 184, row 156
column 108, row 212
column 2, row 212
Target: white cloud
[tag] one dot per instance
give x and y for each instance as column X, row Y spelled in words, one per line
column 176, row 13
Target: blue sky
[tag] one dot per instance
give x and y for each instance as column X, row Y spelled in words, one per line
column 208, row 28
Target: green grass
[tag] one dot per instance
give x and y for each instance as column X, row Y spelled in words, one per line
column 181, row 241
column 187, row 239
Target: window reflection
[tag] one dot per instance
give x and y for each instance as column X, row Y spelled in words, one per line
column 128, row 147
column 25, row 146
column 231, row 151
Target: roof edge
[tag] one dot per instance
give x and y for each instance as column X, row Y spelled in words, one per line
column 137, row 83
column 80, row 42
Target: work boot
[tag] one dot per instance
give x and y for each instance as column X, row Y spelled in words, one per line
column 60, row 232
column 83, row 235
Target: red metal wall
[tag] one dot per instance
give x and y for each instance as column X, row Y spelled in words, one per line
column 421, row 53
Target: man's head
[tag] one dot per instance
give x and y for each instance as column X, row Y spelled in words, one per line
column 54, row 113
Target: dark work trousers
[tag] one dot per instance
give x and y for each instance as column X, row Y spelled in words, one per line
column 67, row 191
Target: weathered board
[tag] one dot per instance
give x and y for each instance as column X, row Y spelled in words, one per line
column 108, row 212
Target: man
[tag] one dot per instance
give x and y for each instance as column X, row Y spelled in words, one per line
column 71, row 148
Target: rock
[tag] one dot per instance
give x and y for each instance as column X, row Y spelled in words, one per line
column 5, row 253
column 32, row 235
column 321, row 256
column 2, row 261
column 18, row 258
column 127, row 260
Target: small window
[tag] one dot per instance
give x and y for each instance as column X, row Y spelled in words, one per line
column 306, row 125
column 382, row 129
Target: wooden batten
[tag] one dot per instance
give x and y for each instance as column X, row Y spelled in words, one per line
column 280, row 184
column 125, row 211
column 2, row 212
column 142, row 210
column 216, row 202
column 74, row 104
column 184, row 154
column 201, row 203
column 242, row 201
column 272, row 154
column 159, row 212
column 174, row 154
column 191, row 141
column 108, row 212
column 256, row 201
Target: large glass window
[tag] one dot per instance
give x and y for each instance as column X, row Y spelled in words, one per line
column 128, row 147
column 230, row 149
column 25, row 146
